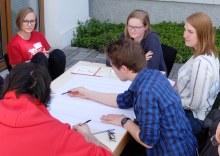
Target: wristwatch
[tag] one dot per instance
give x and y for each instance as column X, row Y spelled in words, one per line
column 124, row 121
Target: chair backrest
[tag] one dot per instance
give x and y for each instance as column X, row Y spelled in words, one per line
column 9, row 67
column 217, row 102
column 169, row 55
column 210, row 123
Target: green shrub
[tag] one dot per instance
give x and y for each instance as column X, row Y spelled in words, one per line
column 96, row 35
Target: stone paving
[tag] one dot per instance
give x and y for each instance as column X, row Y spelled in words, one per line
column 75, row 54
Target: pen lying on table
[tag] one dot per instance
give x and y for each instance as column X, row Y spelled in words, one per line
column 103, row 131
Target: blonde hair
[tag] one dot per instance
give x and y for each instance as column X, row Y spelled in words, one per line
column 205, row 34
column 21, row 15
column 139, row 14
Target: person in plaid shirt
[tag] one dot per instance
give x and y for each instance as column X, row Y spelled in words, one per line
column 161, row 126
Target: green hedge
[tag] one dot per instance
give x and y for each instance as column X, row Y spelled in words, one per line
column 96, row 35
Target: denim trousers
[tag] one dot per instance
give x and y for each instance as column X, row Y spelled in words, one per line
column 195, row 123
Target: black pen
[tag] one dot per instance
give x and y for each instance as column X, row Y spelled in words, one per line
column 66, row 92
column 86, row 122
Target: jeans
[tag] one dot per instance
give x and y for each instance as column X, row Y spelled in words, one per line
column 195, row 123
column 55, row 64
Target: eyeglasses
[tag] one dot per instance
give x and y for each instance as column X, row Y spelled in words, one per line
column 214, row 141
column 136, row 28
column 32, row 22
column 111, row 135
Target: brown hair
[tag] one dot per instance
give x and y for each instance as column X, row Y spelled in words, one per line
column 139, row 14
column 128, row 53
column 205, row 33
column 21, row 15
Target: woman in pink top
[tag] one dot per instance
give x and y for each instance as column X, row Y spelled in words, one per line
column 30, row 45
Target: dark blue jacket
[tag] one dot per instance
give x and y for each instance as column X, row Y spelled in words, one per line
column 151, row 42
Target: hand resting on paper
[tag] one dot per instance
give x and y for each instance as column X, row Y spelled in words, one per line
column 114, row 119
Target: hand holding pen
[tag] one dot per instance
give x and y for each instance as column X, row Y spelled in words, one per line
column 85, row 122
column 66, row 92
column 83, row 128
column 80, row 92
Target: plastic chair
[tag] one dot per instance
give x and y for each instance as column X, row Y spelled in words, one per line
column 9, row 67
column 169, row 55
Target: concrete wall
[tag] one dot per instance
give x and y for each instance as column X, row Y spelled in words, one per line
column 61, row 17
column 118, row 10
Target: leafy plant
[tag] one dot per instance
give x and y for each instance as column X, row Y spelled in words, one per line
column 96, row 35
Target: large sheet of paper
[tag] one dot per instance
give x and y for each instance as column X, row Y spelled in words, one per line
column 75, row 110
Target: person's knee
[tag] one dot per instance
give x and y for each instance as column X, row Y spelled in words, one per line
column 57, row 63
column 41, row 59
column 57, row 54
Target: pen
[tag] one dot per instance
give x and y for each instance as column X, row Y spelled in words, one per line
column 65, row 92
column 103, row 131
column 86, row 122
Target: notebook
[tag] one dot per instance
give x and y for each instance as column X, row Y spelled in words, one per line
column 85, row 70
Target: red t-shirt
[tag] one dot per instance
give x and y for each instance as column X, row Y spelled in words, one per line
column 20, row 50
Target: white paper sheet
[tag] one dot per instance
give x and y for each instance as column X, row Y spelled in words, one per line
column 86, row 70
column 74, row 110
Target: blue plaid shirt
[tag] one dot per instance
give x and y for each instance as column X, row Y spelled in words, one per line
column 159, row 114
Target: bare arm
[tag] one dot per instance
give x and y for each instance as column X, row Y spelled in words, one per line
column 104, row 98
column 130, row 126
column 85, row 131
column 134, row 131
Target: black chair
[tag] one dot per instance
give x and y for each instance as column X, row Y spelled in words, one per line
column 204, row 134
column 9, row 67
column 169, row 55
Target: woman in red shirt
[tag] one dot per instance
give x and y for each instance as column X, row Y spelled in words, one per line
column 31, row 45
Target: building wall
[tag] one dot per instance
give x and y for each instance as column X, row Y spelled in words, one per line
column 161, row 10
column 61, row 17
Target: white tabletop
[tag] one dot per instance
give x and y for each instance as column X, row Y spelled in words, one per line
column 122, row 138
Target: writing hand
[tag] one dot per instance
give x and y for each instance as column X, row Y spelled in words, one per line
column 79, row 92
column 82, row 128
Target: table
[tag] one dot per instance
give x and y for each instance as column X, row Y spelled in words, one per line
column 121, row 139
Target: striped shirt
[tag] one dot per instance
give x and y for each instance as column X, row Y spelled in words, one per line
column 159, row 114
column 198, row 84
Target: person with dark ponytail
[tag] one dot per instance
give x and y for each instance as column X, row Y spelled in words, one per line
column 26, row 126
